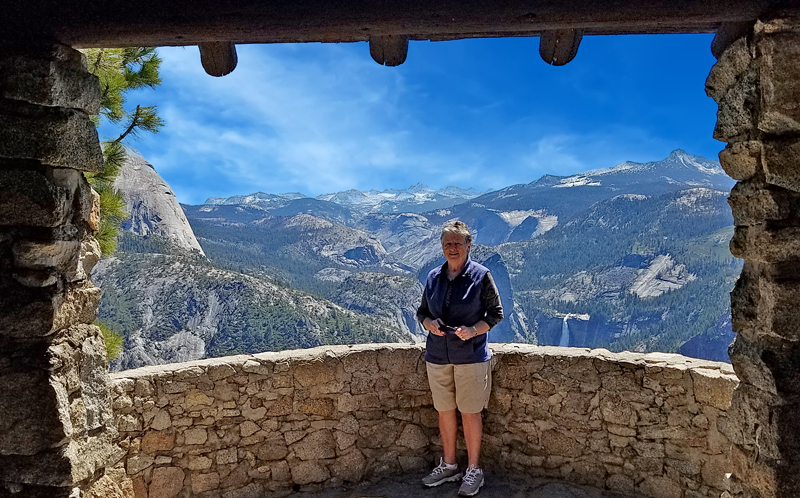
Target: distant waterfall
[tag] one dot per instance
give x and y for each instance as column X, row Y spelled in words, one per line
column 564, row 342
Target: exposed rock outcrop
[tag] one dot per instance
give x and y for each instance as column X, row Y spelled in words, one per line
column 152, row 206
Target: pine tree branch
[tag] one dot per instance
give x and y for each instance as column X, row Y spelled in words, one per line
column 132, row 127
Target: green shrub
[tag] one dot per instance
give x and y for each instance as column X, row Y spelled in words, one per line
column 114, row 341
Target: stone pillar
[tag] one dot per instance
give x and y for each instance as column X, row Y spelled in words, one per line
column 56, row 423
column 756, row 83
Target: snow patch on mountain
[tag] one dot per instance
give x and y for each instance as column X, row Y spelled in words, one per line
column 577, row 181
column 372, row 201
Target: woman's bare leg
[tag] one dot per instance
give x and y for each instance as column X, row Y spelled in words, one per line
column 473, row 432
column 448, row 429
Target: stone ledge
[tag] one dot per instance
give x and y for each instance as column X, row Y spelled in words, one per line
column 625, row 422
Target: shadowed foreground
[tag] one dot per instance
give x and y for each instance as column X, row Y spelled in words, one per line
column 496, row 486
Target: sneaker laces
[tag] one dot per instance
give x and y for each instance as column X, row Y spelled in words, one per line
column 471, row 476
column 441, row 468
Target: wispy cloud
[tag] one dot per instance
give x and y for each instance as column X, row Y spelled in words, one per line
column 322, row 118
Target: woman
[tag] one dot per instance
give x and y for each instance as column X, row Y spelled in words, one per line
column 459, row 306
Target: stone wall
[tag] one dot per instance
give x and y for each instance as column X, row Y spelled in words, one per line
column 756, row 83
column 249, row 426
column 55, row 405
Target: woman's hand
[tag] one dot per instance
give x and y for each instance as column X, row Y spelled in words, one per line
column 466, row 333
column 432, row 326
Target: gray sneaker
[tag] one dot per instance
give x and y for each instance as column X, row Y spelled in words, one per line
column 441, row 474
column 472, row 482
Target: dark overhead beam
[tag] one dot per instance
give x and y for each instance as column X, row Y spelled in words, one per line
column 92, row 23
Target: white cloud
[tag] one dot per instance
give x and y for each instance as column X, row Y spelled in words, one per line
column 321, row 118
column 281, row 122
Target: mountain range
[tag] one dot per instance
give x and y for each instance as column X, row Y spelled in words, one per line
column 628, row 257
column 415, row 199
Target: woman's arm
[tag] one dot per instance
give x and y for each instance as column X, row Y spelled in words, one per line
column 424, row 316
column 490, row 300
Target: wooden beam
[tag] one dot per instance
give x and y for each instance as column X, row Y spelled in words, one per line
column 89, row 23
column 218, row 58
column 390, row 50
column 559, row 47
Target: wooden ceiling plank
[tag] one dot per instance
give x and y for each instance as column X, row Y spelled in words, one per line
column 88, row 23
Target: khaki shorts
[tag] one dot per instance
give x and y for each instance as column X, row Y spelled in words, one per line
column 466, row 387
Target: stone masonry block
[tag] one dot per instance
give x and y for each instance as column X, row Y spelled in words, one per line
column 57, row 77
column 764, row 305
column 54, row 136
column 741, row 160
column 779, row 61
column 749, row 367
column 708, row 389
column 316, row 446
column 48, row 468
column 30, row 198
column 309, row 472
column 60, row 255
column 350, row 467
column 766, row 244
column 731, row 65
column 33, row 312
column 735, row 116
column 753, row 204
column 167, row 482
column 29, row 423
column 781, row 161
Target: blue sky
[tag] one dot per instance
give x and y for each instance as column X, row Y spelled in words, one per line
column 320, row 118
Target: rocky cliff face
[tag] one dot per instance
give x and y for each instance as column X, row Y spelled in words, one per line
column 173, row 308
column 152, row 206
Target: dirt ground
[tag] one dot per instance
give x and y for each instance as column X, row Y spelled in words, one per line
column 495, row 486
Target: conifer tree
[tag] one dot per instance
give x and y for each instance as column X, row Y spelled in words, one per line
column 120, row 70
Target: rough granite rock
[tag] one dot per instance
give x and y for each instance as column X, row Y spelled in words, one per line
column 56, row 77
column 54, row 136
column 152, row 206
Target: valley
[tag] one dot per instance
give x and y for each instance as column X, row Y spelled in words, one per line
column 632, row 257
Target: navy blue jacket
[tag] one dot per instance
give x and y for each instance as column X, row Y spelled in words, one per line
column 467, row 299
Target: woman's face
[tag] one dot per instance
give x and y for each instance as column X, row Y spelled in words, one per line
column 455, row 249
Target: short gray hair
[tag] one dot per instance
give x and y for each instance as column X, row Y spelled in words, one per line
column 457, row 227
